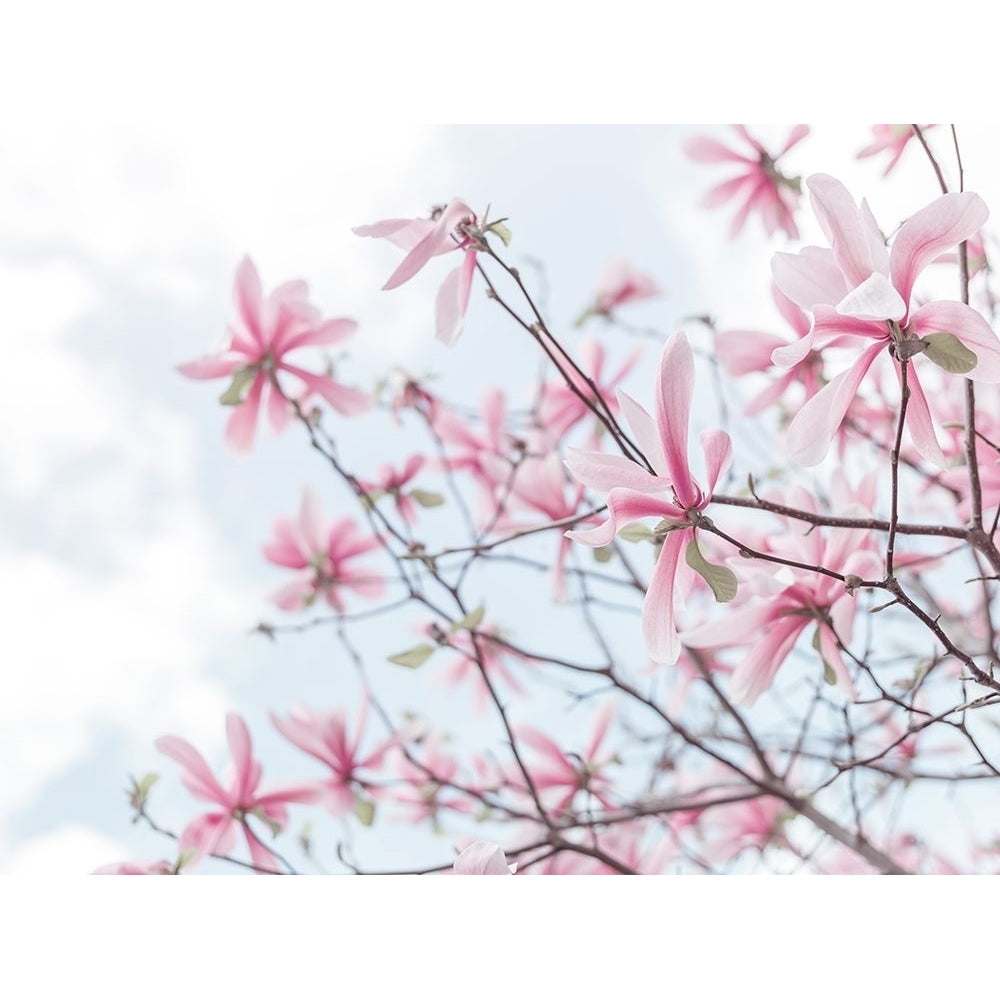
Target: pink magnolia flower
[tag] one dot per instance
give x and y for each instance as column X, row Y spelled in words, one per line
column 391, row 481
column 323, row 552
column 465, row 668
column 483, row 858
column 267, row 328
column 324, row 735
column 559, row 775
column 448, row 229
column 742, row 352
column 760, row 185
column 772, row 626
column 734, row 827
column 238, row 800
column 561, row 407
column 620, row 283
column 859, row 289
column 891, row 139
column 669, row 491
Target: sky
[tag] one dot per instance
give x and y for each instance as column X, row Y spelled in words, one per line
column 130, row 187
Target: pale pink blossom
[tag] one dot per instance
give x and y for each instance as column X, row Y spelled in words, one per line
column 483, row 858
column 325, row 736
column 560, row 776
column 237, row 800
column 862, row 290
column 772, row 625
column 562, row 406
column 391, row 481
column 324, row 555
column 486, row 656
column 668, row 492
column 267, row 328
column 759, row 186
column 890, row 139
column 448, row 229
column 620, row 283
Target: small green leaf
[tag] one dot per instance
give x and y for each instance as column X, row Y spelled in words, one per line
column 721, row 579
column 415, row 657
column 471, row 621
column 499, row 229
column 829, row 677
column 236, row 394
column 139, row 792
column 426, row 498
column 364, row 809
column 949, row 353
column 637, row 532
column 603, row 554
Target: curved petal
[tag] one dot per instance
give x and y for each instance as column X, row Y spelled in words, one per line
column 757, row 671
column 919, row 423
column 624, row 507
column 644, row 431
column 453, row 299
column 659, row 627
column 840, row 218
column 809, row 278
column 812, row 429
column 331, row 331
column 197, row 777
column 718, row 451
column 874, row 298
column 970, row 328
column 674, row 389
column 705, row 150
column 211, row 833
column 249, row 298
column 944, row 223
column 242, row 424
column 285, row 549
column 606, row 472
column 247, row 769
column 212, row 367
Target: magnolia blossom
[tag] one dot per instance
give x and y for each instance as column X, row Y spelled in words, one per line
column 559, row 776
column 772, row 625
column 891, row 139
column 237, row 800
column 621, row 282
column 390, row 481
column 861, row 290
column 760, row 186
column 267, row 328
column 668, row 492
column 325, row 736
column 322, row 552
column 422, row 239
column 483, row 858
column 562, row 406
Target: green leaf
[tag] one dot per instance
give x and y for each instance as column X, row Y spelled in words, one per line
column 829, row 677
column 949, row 353
column 426, row 498
column 415, row 657
column 603, row 554
column 236, row 394
column 637, row 532
column 499, row 229
column 364, row 809
column 471, row 621
column 721, row 579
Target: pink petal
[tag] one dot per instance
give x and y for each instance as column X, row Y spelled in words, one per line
column 481, row 858
column 944, row 223
column 918, row 420
column 606, row 472
column 242, row 424
column 970, row 328
column 840, row 218
column 674, row 390
column 643, row 428
column 213, row 367
column 247, row 769
column 813, row 427
column 197, row 777
column 249, row 298
column 285, row 549
column 718, row 450
column 809, row 277
column 211, row 833
column 874, row 298
column 331, row 331
column 624, row 507
column 757, row 671
column 453, row 299
column 706, row 150
column 658, row 624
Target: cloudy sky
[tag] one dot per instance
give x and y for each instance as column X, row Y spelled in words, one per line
column 129, row 560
